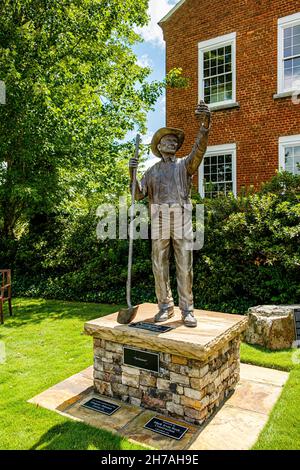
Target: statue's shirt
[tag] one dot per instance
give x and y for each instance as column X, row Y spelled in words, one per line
column 168, row 191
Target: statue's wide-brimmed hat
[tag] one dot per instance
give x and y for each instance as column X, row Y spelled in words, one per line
column 161, row 133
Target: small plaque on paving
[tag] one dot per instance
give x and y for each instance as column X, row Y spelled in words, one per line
column 150, row 327
column 101, row 406
column 297, row 323
column 167, row 428
column 141, row 359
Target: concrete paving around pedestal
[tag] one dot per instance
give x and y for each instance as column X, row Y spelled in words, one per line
column 236, row 425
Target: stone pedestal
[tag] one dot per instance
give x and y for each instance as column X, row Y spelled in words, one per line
column 198, row 367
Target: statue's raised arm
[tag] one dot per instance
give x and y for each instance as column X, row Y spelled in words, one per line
column 195, row 158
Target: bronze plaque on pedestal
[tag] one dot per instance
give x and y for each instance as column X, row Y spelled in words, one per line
column 141, row 359
column 166, row 428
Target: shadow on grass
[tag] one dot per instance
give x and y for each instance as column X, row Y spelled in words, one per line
column 78, row 436
column 26, row 311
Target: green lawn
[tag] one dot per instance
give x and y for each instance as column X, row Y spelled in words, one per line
column 44, row 345
column 283, row 428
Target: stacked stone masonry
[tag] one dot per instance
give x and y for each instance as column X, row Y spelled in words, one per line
column 256, row 125
column 184, row 388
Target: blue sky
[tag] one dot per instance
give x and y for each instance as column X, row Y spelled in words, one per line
column 152, row 53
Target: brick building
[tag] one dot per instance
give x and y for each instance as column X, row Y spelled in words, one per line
column 243, row 58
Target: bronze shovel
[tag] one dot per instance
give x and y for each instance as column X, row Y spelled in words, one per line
column 127, row 315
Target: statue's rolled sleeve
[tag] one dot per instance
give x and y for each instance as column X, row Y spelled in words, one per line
column 141, row 190
column 195, row 158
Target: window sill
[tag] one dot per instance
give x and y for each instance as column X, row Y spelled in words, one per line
column 224, row 106
column 285, row 94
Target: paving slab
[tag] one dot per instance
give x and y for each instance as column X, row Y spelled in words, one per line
column 69, row 391
column 236, row 425
column 263, row 375
column 136, row 432
column 231, row 429
column 113, row 423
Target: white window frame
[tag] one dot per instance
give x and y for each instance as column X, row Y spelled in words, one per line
column 287, row 141
column 216, row 150
column 283, row 23
column 215, row 43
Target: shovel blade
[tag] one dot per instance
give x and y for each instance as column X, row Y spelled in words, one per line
column 127, row 315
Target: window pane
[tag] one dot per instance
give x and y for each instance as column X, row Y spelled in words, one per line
column 288, row 82
column 296, row 50
column 296, row 40
column 227, row 58
column 296, row 62
column 288, row 64
column 206, row 64
column 297, row 151
column 297, row 166
column 217, row 182
column 288, row 42
column 296, row 29
column 288, row 32
column 292, row 159
column 296, row 71
column 221, row 60
column 288, row 52
column 218, row 68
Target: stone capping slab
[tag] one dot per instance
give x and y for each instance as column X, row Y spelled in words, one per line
column 213, row 332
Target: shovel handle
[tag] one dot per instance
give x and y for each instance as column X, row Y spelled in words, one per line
column 131, row 228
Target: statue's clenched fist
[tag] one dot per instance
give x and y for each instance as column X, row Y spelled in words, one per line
column 203, row 114
column 133, row 164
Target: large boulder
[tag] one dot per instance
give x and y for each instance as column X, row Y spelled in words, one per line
column 271, row 326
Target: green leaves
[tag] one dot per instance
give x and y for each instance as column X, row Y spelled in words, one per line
column 74, row 90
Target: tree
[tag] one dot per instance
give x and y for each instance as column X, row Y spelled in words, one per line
column 74, row 90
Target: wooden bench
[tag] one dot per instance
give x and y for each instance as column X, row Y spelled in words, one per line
column 5, row 291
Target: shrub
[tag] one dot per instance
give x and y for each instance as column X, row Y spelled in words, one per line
column 251, row 255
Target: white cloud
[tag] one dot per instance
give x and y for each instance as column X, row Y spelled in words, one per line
column 145, row 61
column 157, row 10
column 150, row 159
column 162, row 104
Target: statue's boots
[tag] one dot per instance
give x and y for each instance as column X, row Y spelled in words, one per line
column 189, row 319
column 164, row 315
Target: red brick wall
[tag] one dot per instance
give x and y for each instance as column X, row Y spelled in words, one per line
column 261, row 120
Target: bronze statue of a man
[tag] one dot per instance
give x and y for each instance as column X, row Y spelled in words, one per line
column 168, row 183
